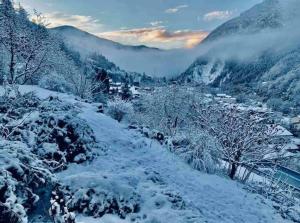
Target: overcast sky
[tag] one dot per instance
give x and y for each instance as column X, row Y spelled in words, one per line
column 158, row 23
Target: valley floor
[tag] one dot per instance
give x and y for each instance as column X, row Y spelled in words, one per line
column 169, row 189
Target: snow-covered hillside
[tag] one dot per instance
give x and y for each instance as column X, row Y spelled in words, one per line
column 257, row 51
column 262, row 16
column 141, row 174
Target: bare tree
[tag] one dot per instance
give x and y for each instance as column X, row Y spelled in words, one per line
column 25, row 44
column 245, row 136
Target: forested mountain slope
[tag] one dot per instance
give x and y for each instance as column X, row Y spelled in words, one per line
column 258, row 52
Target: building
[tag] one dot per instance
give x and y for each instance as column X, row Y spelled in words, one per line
column 115, row 88
column 295, row 125
column 225, row 98
column 135, row 91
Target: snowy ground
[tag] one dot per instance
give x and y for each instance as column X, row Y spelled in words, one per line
column 170, row 190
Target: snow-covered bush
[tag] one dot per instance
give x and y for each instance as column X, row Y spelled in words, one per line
column 16, row 107
column 37, row 138
column 55, row 83
column 22, row 177
column 284, row 197
column 170, row 110
column 120, row 110
column 98, row 196
column 57, row 134
column 166, row 109
column 51, row 127
column 98, row 203
column 59, row 210
column 199, row 149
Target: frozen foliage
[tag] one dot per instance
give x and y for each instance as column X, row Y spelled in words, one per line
column 59, row 203
column 205, row 132
column 166, row 109
column 98, row 201
column 25, row 45
column 170, row 111
column 37, row 138
column 51, row 128
column 55, row 83
column 282, row 196
column 245, row 137
column 120, row 110
column 22, row 176
column 200, row 150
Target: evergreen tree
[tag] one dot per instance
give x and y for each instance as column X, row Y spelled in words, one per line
column 126, row 92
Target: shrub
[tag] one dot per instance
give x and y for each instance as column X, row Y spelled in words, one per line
column 22, row 176
column 120, row 110
column 198, row 149
column 51, row 127
column 55, row 83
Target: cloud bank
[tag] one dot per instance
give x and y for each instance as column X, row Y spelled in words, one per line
column 157, row 37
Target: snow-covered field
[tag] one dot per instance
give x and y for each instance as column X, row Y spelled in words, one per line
column 168, row 189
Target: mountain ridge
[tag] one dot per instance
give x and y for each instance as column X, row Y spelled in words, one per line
column 141, row 59
column 64, row 28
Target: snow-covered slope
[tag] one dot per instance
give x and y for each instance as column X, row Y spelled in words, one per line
column 262, row 16
column 259, row 50
column 168, row 190
column 152, row 61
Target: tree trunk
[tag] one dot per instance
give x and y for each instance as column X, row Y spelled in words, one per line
column 234, row 165
column 233, row 170
column 12, row 68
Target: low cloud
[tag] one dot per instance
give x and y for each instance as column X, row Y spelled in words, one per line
column 157, row 37
column 176, row 9
column 156, row 23
column 218, row 15
column 87, row 23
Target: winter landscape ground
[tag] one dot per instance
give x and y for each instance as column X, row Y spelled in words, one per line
column 166, row 188
column 150, row 125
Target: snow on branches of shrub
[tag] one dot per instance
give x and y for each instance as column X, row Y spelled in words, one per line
column 96, row 196
column 22, row 174
column 55, row 83
column 120, row 110
column 198, row 148
column 50, row 127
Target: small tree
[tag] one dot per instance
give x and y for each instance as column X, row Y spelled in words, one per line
column 245, row 137
column 120, row 110
column 126, row 93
